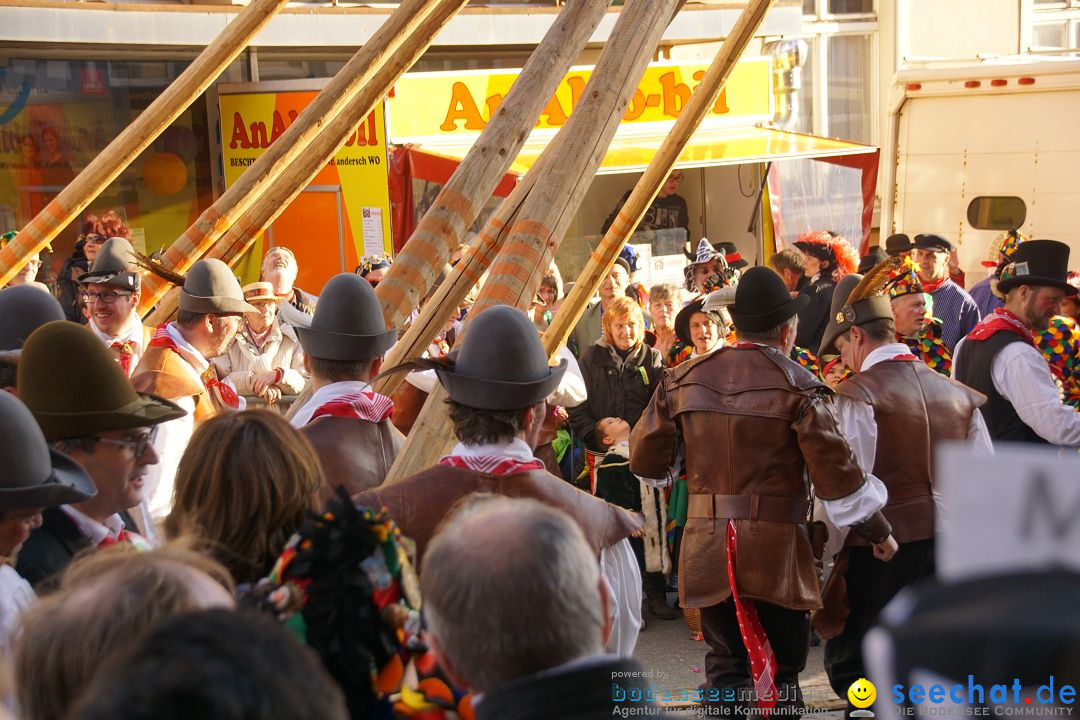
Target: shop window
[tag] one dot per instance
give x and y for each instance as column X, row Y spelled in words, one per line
column 988, row 212
column 62, row 113
column 1050, row 35
column 851, row 7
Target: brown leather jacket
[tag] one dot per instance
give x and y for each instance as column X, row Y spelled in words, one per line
column 922, row 407
column 419, row 503
column 164, row 373
column 752, row 423
column 354, row 453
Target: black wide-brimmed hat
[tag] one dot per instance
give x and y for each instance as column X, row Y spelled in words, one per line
column 114, row 266
column 682, row 320
column 1037, row 262
column 23, row 309
column 871, row 259
column 897, row 243
column 853, row 303
column 762, row 301
column 211, row 287
column 732, row 255
column 73, row 399
column 500, row 364
column 348, row 323
column 35, row 475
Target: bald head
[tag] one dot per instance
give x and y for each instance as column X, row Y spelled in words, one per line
column 511, row 588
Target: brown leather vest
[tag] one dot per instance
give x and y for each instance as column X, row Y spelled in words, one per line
column 915, row 408
column 354, row 453
column 419, row 503
column 164, row 373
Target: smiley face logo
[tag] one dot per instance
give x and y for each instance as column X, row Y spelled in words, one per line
column 862, row 693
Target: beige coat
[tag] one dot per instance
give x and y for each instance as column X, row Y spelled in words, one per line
column 242, row 361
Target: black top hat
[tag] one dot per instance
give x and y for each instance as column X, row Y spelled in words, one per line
column 92, row 395
column 348, row 324
column 23, row 309
column 114, row 266
column 762, row 301
column 871, row 259
column 896, row 244
column 682, row 320
column 500, row 364
column 1037, row 262
column 933, row 242
column 35, row 475
column 732, row 255
column 847, row 311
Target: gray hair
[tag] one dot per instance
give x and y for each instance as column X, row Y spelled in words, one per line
column 510, row 588
column 770, row 336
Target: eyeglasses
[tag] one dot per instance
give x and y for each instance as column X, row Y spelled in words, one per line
column 138, row 445
column 108, row 297
column 96, row 239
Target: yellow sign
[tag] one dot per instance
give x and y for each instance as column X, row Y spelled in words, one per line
column 250, row 122
column 426, row 106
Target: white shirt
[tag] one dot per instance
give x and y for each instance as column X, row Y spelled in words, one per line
column 15, row 596
column 170, row 440
column 91, row 528
column 571, row 391
column 1021, row 375
column 324, row 395
column 132, row 332
column 618, row 565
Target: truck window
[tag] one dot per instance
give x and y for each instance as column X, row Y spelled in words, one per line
column 994, row 212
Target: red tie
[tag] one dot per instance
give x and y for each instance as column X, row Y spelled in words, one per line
column 126, row 351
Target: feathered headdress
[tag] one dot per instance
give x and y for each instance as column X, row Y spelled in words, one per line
column 874, row 282
column 847, row 260
column 1003, row 247
column 152, row 265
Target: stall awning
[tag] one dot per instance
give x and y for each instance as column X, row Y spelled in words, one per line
column 707, row 148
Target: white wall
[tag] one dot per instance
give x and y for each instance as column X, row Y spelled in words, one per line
column 958, row 29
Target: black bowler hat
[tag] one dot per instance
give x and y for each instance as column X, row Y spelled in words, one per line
column 896, row 244
column 933, row 242
column 1037, row 262
column 871, row 259
column 348, row 323
column 23, row 309
column 732, row 255
column 762, row 301
column 500, row 364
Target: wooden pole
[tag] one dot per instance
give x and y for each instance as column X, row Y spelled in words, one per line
column 655, row 175
column 554, row 199
column 461, row 198
column 475, row 260
column 395, row 37
column 136, row 137
column 241, row 235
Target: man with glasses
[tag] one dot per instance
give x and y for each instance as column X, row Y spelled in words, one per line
column 176, row 366
column 110, row 293
column 951, row 303
column 88, row 410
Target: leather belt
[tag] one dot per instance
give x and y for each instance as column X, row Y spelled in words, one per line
column 908, row 492
column 748, row 507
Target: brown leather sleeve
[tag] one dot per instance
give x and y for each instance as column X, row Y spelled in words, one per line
column 834, row 471
column 874, row 529
column 652, row 441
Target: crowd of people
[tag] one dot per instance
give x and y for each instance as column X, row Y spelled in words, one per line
column 185, row 507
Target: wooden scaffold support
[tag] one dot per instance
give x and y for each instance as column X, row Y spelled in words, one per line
column 66, row 207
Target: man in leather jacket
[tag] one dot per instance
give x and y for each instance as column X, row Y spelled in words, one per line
column 756, row 430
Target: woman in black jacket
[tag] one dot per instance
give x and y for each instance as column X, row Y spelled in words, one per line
column 620, row 371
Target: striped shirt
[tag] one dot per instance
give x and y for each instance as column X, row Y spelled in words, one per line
column 957, row 312
column 984, row 297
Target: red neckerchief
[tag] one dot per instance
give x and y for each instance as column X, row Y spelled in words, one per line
column 126, row 351
column 124, row 536
column 929, row 287
column 1001, row 320
column 758, row 649
column 363, row 405
column 491, row 464
column 214, row 387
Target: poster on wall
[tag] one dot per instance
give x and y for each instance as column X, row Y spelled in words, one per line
column 344, row 212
